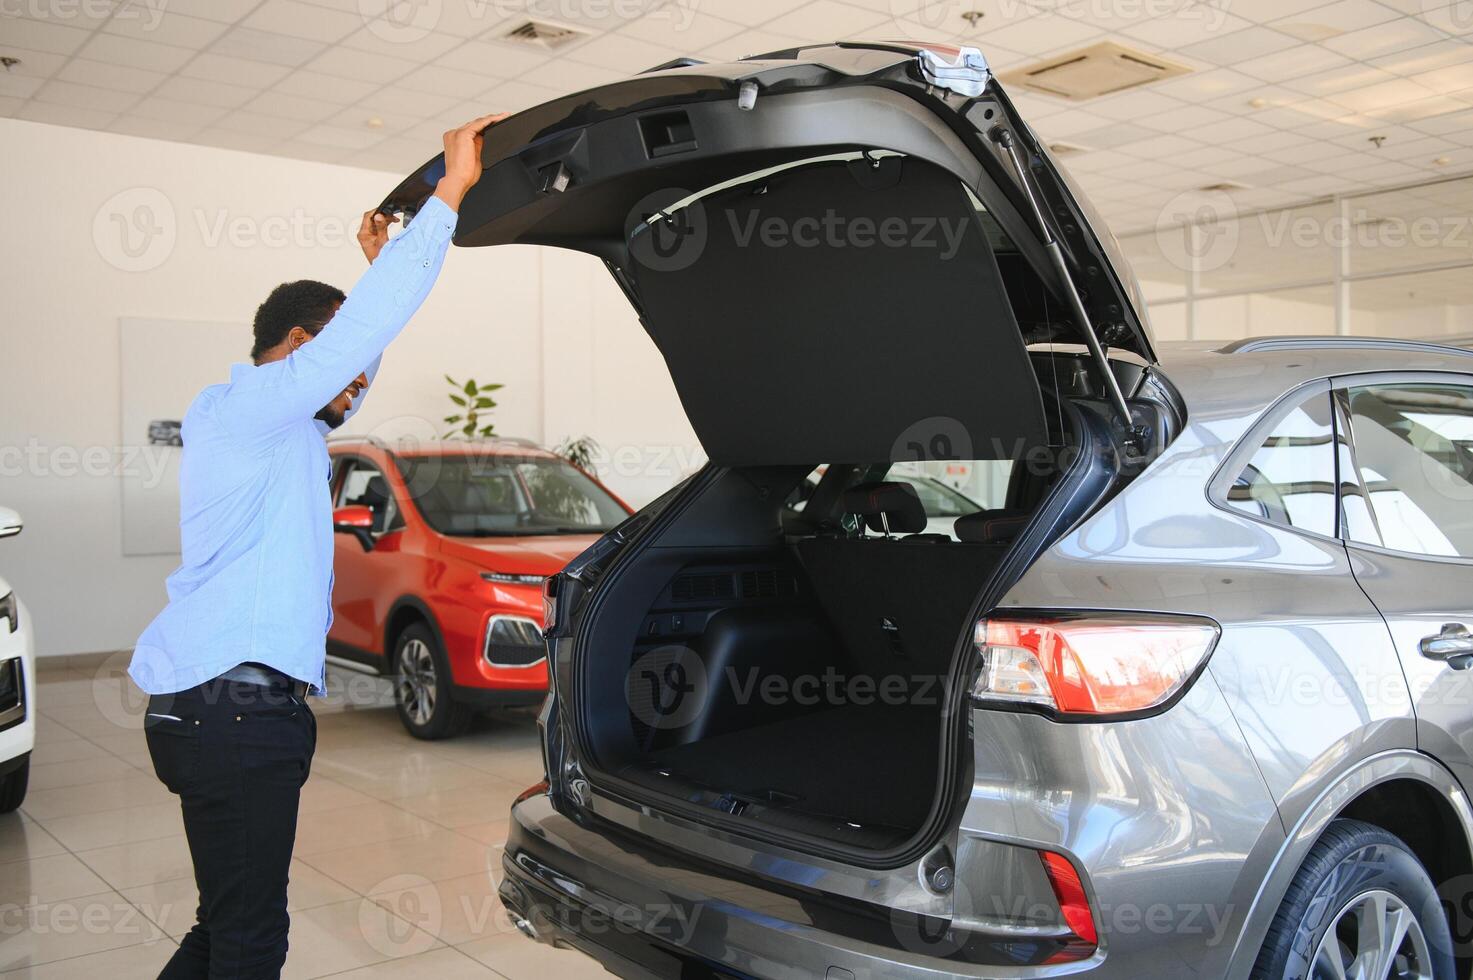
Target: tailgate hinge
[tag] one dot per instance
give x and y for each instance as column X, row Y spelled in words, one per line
column 968, row 74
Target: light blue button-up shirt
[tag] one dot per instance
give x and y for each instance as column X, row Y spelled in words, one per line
column 255, row 515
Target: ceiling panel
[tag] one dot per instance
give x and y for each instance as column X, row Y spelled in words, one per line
column 1291, row 100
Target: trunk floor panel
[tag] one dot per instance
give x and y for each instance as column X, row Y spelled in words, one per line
column 873, row 765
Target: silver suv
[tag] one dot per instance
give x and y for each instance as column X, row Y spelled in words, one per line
column 1185, row 696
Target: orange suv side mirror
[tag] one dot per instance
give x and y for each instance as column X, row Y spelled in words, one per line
column 357, row 520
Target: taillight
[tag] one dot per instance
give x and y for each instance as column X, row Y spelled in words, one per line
column 1074, row 904
column 1085, row 664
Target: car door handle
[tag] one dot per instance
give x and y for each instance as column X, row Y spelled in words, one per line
column 1453, row 646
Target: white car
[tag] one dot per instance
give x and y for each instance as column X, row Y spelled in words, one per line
column 17, row 686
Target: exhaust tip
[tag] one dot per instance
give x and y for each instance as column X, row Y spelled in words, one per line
column 525, row 927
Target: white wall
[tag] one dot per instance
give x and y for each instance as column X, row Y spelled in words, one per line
column 550, row 326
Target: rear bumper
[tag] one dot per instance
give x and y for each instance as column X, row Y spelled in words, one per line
column 645, row 912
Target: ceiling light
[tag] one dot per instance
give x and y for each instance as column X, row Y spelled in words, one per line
column 374, row 122
column 1441, row 161
column 1258, row 103
column 1059, row 148
column 1309, row 31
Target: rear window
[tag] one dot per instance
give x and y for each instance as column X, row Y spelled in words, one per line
column 494, row 495
column 947, row 489
column 1290, row 479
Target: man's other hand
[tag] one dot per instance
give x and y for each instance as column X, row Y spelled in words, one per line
column 373, row 233
column 463, row 159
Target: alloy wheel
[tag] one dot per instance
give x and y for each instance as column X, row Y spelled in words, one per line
column 1375, row 936
column 417, row 682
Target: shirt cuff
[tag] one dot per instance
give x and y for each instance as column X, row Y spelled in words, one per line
column 439, row 212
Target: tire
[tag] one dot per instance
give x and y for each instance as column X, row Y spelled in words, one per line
column 13, row 787
column 422, row 689
column 1357, row 873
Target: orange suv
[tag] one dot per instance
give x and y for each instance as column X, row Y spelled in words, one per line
column 440, row 556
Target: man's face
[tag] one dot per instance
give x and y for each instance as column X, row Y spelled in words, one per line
column 335, row 412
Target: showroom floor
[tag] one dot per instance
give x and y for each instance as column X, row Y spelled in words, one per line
column 397, row 845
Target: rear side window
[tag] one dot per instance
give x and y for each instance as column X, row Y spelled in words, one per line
column 1290, row 479
column 1413, row 446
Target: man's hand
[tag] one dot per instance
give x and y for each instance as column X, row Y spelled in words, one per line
column 463, row 159
column 373, row 233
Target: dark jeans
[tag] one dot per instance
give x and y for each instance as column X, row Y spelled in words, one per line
column 237, row 756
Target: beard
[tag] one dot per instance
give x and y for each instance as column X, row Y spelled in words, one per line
column 330, row 416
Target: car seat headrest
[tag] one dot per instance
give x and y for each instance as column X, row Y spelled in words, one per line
column 990, row 526
column 887, row 507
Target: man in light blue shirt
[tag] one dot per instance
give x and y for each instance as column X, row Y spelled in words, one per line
column 243, row 637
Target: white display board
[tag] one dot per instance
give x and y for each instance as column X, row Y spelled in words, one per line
column 164, row 364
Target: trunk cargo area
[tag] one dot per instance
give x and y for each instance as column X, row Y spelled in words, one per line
column 797, row 681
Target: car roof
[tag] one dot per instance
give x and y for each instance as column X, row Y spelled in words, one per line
column 1258, row 371
column 446, row 447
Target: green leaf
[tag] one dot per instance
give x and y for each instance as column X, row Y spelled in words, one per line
column 470, row 428
column 453, row 382
column 491, row 387
column 458, row 400
column 484, row 403
column 451, row 418
column 470, row 387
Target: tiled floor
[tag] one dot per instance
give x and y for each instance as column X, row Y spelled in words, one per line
column 397, row 859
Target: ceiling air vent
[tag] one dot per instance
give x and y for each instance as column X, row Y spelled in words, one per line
column 543, row 34
column 1100, row 69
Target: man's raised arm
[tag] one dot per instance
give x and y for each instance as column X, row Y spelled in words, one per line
column 397, row 281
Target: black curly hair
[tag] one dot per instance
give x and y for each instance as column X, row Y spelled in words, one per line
column 304, row 303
